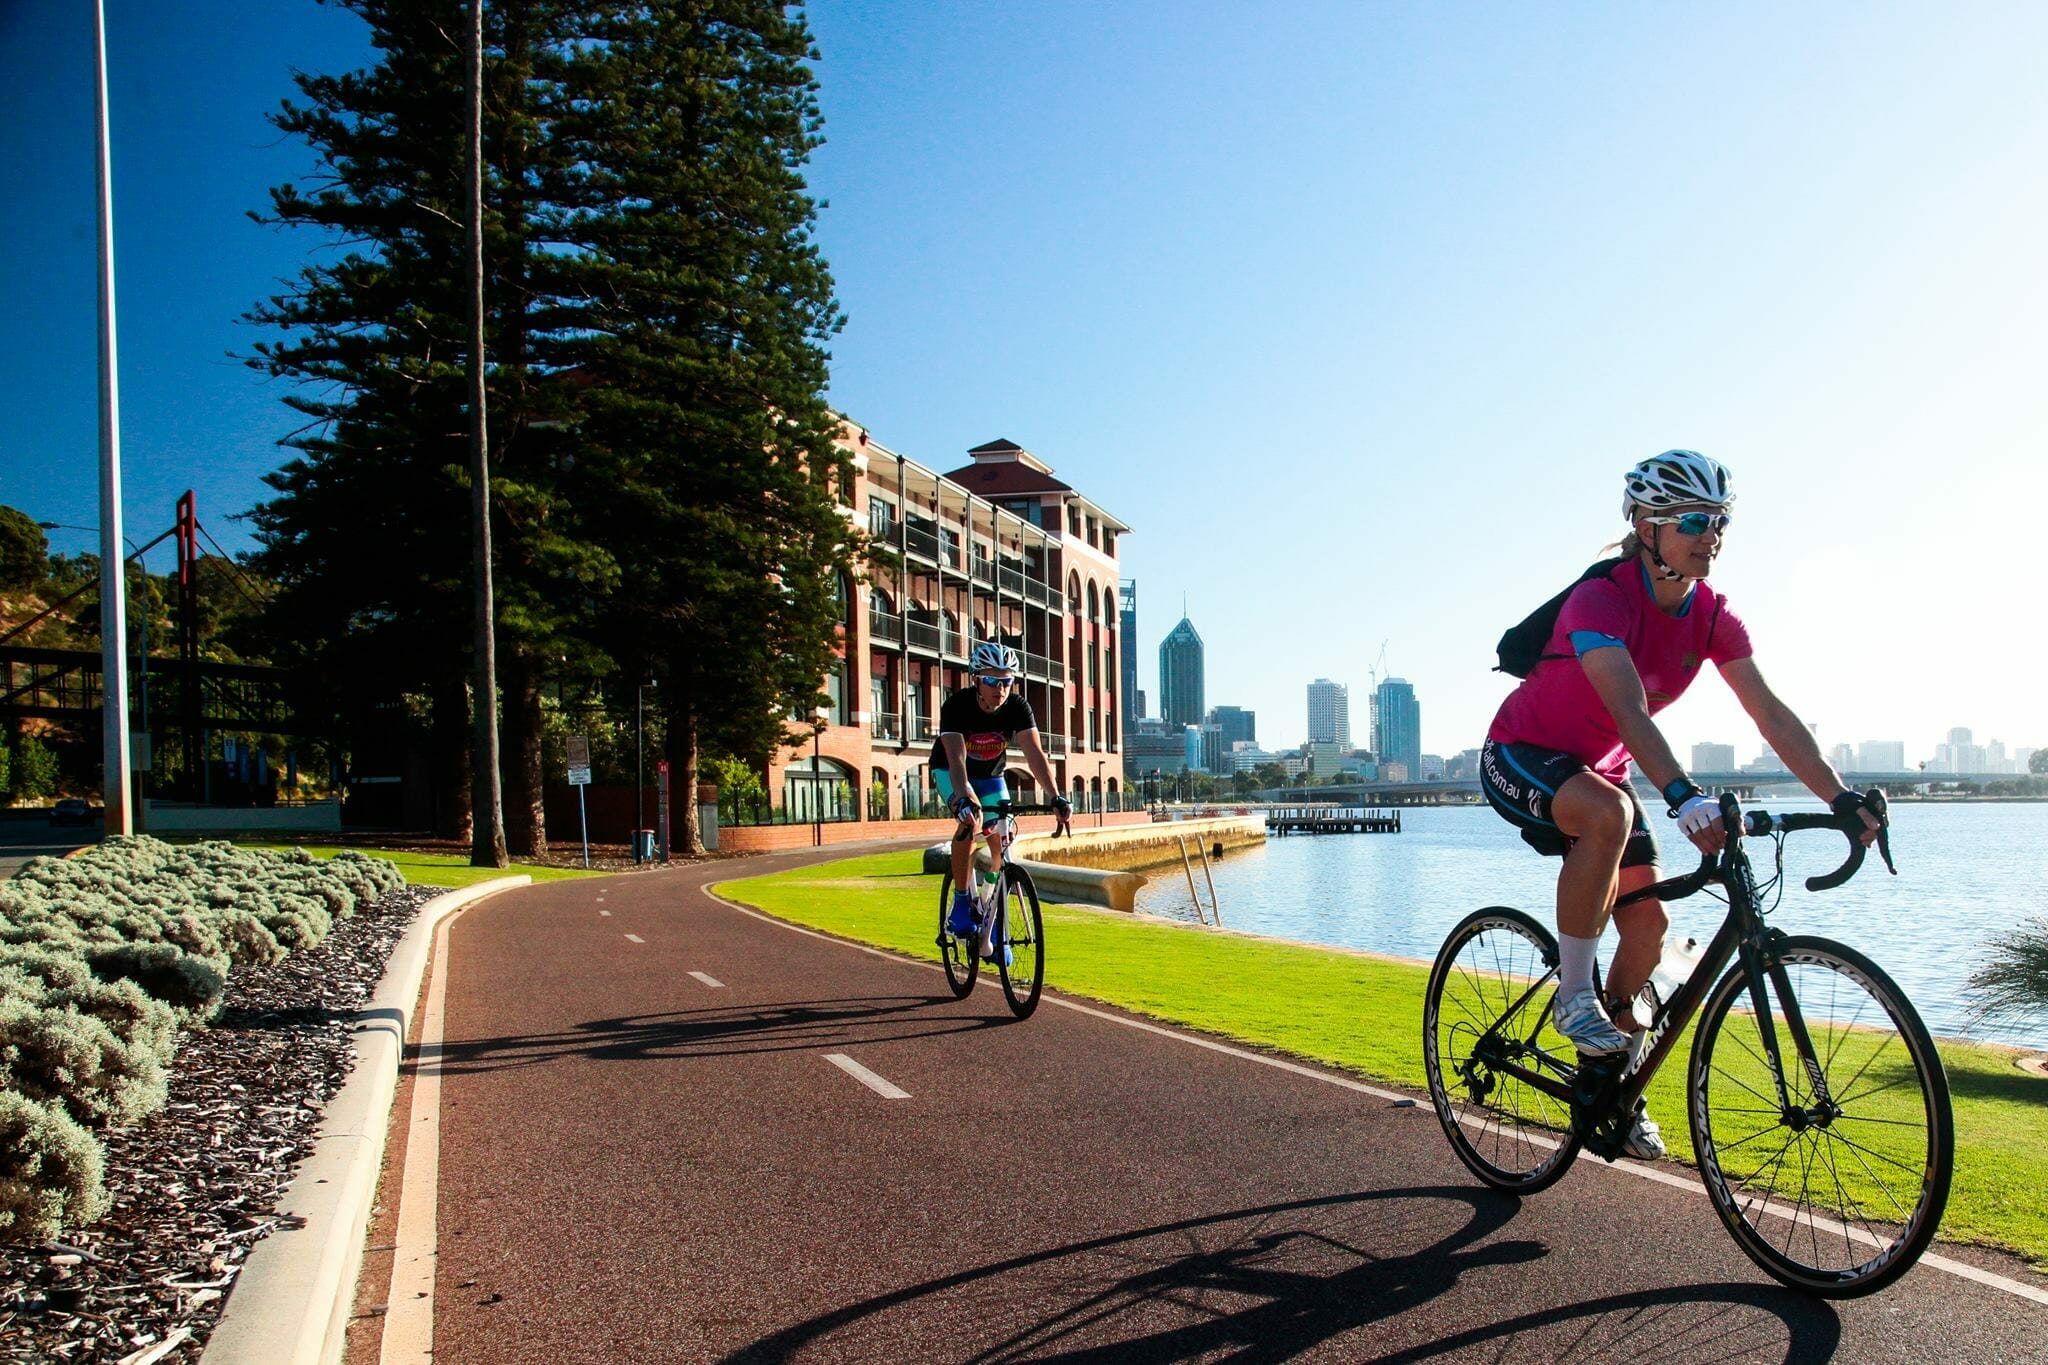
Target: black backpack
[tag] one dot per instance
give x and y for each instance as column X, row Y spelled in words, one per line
column 1521, row 649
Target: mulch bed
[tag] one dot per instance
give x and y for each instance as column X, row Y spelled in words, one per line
column 197, row 1183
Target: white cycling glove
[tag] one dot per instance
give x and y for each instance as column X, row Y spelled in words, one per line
column 1696, row 814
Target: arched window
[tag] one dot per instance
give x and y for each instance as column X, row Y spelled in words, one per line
column 823, row 792
column 878, row 794
column 1094, row 604
column 843, row 599
column 1074, row 597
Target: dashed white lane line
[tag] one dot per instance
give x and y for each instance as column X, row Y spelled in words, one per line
column 710, row 981
column 635, row 938
column 1639, row 1169
column 606, row 913
column 866, row 1077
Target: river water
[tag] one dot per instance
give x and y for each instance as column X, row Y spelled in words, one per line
column 1966, row 871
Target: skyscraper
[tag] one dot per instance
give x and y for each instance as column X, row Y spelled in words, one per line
column 1329, row 713
column 1127, row 647
column 1397, row 725
column 1180, row 675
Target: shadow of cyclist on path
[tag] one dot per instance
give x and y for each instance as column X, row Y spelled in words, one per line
column 791, row 1026
column 1278, row 1281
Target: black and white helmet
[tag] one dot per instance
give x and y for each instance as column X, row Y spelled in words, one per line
column 992, row 657
column 1674, row 479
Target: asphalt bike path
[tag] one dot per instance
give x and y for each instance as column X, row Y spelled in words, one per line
column 673, row 1130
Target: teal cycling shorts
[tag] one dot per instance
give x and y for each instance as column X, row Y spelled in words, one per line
column 988, row 789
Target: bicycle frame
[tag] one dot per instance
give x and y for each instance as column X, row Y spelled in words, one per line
column 1742, row 934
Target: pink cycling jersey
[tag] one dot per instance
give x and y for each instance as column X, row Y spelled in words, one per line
column 1556, row 706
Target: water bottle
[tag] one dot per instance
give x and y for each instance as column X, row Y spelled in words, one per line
column 1673, row 970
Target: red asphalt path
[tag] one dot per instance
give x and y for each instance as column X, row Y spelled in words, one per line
column 637, row 1166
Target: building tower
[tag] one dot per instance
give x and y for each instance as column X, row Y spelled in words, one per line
column 1329, row 713
column 1127, row 643
column 1180, row 676
column 1397, row 726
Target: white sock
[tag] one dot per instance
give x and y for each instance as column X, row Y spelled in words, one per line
column 1575, row 964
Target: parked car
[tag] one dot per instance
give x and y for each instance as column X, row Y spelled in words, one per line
column 72, row 811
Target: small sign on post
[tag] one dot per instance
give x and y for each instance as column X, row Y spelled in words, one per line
column 579, row 778
column 661, row 805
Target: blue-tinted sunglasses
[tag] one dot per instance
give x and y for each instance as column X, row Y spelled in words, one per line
column 986, row 681
column 1693, row 523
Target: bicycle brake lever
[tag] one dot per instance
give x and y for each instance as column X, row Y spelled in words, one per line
column 1881, row 808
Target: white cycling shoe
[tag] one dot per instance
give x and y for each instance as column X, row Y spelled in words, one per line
column 1645, row 1140
column 1583, row 1020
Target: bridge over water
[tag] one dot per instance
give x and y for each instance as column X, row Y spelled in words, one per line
column 1446, row 790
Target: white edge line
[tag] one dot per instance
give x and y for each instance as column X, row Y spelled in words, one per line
column 606, row 913
column 1642, row 1171
column 711, row 981
column 866, row 1077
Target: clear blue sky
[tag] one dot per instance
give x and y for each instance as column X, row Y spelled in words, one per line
column 1355, row 313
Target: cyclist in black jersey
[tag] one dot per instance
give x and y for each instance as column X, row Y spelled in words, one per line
column 976, row 725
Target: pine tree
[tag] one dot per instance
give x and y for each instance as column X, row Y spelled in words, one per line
column 697, row 309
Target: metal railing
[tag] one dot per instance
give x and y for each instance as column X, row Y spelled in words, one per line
column 887, row 726
column 885, row 626
column 922, row 635
column 984, row 570
column 923, row 544
column 920, row 728
column 1055, row 745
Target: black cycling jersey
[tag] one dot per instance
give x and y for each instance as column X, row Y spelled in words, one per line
column 986, row 733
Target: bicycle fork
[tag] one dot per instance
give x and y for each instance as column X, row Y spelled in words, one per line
column 1824, row 1110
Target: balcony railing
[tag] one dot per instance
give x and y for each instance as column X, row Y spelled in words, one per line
column 885, row 626
column 920, row 728
column 1055, row 745
column 922, row 635
column 984, row 570
column 923, row 544
column 886, row 726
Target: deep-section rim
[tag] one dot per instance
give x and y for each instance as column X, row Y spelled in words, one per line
column 1545, row 1172
column 960, row 962
column 1918, row 1230
column 1022, row 895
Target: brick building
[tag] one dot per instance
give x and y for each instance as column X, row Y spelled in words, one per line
column 997, row 549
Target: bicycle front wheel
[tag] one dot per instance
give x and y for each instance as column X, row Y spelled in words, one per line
column 956, row 953
column 1839, row 1186
column 1487, row 1009
column 1019, row 926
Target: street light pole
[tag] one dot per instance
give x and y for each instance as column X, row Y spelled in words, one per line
column 114, row 758
column 817, row 782
column 1100, row 795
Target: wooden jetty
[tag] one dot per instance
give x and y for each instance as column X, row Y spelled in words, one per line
column 1331, row 820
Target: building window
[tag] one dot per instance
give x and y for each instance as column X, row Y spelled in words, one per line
column 1074, row 521
column 821, row 793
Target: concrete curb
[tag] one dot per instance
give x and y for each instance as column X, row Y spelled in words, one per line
column 291, row 1302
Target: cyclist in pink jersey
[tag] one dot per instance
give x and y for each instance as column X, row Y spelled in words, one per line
column 1555, row 763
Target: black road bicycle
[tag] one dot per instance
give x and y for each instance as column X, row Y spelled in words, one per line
column 1819, row 1108
column 1008, row 912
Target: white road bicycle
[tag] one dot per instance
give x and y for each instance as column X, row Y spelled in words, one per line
column 1006, row 908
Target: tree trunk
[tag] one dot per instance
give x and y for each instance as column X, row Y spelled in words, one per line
column 450, row 758
column 526, row 824
column 686, row 836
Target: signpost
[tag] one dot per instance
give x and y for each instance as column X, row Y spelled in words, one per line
column 661, row 805
column 579, row 778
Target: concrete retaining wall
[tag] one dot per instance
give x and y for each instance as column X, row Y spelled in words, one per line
column 766, row 838
column 1147, row 846
column 1094, row 866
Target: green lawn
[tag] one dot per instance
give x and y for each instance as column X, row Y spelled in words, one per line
column 1365, row 1015
column 440, row 869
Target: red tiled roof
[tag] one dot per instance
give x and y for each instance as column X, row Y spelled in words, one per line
column 1003, row 477
column 999, row 444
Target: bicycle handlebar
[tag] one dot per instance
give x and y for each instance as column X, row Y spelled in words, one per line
column 1757, row 823
column 1002, row 808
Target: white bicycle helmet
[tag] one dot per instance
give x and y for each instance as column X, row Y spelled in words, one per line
column 992, row 657
column 1674, row 479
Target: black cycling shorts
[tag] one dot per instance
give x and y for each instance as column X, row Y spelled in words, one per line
column 1520, row 779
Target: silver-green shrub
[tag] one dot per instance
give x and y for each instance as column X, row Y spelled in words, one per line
column 102, row 957
column 52, row 1171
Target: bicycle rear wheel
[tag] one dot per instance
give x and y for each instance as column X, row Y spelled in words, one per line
column 1019, row 925
column 957, row 953
column 1488, row 1004
column 1840, row 1197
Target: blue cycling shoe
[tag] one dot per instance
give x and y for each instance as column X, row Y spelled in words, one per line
column 997, row 952
column 962, row 922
